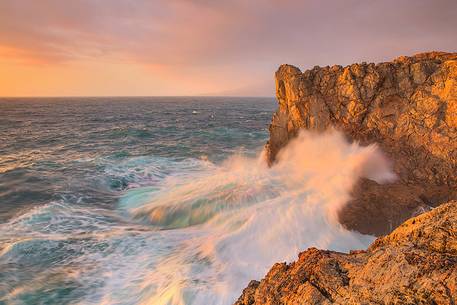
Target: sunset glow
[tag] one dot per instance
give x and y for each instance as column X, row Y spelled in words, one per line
column 228, row 152
column 197, row 47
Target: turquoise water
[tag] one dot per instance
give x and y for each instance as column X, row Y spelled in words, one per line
column 156, row 200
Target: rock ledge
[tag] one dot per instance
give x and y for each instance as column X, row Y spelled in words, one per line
column 415, row 264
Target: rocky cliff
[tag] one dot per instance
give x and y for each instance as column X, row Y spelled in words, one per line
column 408, row 107
column 415, row 264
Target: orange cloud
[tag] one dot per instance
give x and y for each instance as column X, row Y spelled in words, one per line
column 173, row 47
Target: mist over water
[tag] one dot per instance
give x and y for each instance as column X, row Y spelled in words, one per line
column 192, row 229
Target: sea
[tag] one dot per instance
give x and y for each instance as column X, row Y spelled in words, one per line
column 160, row 200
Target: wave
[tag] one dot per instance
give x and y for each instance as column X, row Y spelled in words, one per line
column 198, row 233
column 245, row 216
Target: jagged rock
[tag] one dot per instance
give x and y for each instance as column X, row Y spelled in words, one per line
column 415, row 264
column 408, row 107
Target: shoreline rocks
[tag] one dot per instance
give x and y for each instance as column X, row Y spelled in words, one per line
column 407, row 106
column 415, row 264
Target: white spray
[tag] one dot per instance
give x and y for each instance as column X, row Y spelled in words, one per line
column 242, row 217
column 200, row 235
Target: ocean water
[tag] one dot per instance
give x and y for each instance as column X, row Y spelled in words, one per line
column 162, row 200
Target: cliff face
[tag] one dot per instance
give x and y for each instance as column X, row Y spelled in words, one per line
column 415, row 264
column 408, row 107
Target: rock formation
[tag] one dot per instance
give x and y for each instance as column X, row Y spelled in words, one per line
column 408, row 107
column 415, row 264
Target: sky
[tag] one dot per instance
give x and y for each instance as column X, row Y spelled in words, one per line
column 203, row 47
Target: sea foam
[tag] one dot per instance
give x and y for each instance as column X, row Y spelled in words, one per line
column 241, row 217
column 189, row 231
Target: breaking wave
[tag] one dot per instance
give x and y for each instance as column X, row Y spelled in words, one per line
column 202, row 231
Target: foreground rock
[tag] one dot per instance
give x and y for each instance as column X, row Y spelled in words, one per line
column 408, row 107
column 415, row 264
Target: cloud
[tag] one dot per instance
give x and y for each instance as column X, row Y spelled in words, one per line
column 244, row 40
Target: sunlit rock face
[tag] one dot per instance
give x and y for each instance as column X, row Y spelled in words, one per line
column 407, row 106
column 415, row 264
